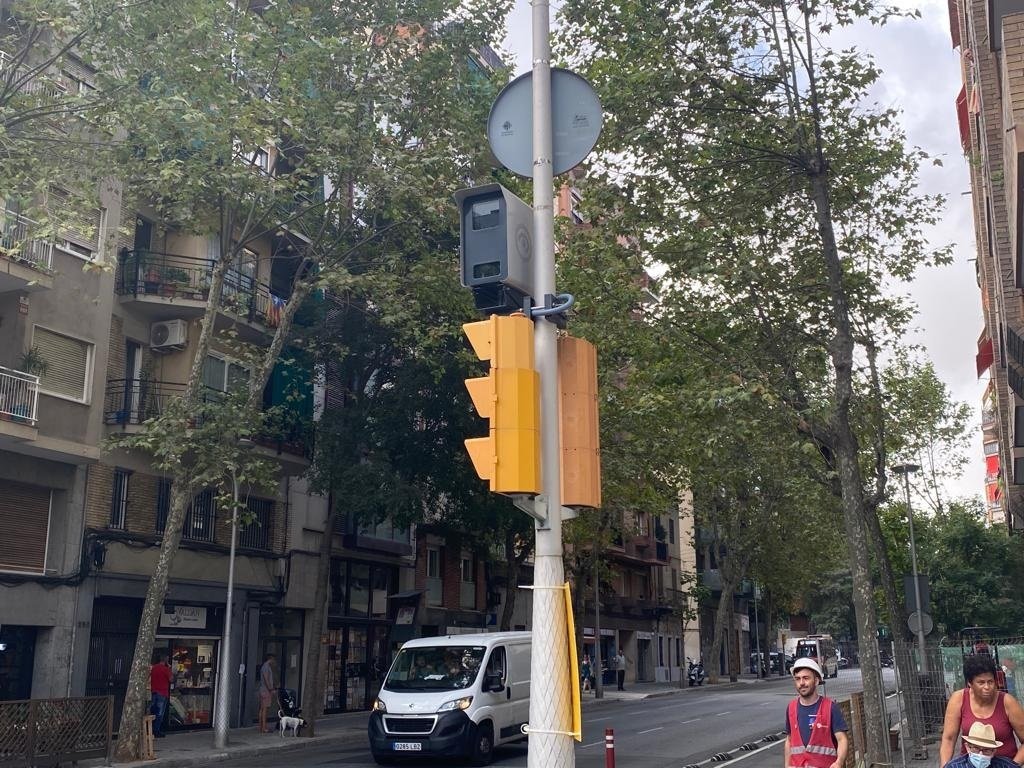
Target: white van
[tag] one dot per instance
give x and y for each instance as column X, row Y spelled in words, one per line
column 454, row 696
column 822, row 649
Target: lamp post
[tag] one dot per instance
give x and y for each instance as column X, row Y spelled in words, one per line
column 220, row 721
column 905, row 470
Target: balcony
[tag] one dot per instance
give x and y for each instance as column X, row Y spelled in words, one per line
column 129, row 403
column 435, row 591
column 467, row 595
column 26, row 261
column 163, row 286
column 19, row 403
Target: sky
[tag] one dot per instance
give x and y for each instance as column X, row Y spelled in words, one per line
column 921, row 77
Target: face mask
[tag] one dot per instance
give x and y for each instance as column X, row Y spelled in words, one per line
column 979, row 761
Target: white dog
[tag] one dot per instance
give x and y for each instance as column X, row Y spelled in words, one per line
column 286, row 723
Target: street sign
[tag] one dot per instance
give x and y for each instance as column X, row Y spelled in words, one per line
column 912, row 623
column 575, row 122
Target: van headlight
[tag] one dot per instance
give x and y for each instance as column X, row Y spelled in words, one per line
column 379, row 706
column 450, row 706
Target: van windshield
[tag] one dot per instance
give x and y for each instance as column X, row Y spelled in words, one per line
column 806, row 650
column 438, row 668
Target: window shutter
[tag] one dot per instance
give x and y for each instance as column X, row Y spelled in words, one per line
column 67, row 363
column 77, row 224
column 26, row 510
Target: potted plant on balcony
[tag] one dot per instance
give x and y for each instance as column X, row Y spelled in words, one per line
column 33, row 363
column 172, row 280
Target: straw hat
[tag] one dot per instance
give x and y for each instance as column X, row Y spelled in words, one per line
column 982, row 735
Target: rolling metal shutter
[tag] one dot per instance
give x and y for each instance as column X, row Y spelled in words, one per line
column 26, row 511
column 67, row 363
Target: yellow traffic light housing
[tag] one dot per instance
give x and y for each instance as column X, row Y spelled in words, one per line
column 509, row 457
column 578, row 423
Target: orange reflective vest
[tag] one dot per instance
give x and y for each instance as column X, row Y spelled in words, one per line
column 820, row 750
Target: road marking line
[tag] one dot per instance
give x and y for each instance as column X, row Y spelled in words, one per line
column 696, row 719
column 650, row 730
column 745, row 755
column 594, row 744
column 723, row 714
column 597, row 719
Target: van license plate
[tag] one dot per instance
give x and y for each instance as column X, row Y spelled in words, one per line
column 408, row 746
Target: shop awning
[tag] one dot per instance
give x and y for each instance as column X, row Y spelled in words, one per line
column 963, row 119
column 986, row 354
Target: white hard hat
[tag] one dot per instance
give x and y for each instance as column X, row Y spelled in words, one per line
column 810, row 664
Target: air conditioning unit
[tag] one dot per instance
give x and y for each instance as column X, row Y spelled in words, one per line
column 168, row 335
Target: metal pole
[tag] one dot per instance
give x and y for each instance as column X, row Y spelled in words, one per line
column 598, row 664
column 900, row 693
column 757, row 636
column 905, row 470
column 550, row 708
column 609, row 748
column 220, row 720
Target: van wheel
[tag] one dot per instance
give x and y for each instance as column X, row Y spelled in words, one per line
column 483, row 745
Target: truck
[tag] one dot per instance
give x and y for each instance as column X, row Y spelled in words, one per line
column 457, row 696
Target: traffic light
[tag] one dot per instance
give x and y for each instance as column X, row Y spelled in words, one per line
column 578, row 424
column 509, row 396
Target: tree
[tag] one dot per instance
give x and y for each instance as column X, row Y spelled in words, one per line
column 780, row 203
column 361, row 112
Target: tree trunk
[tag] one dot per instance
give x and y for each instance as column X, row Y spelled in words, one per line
column 313, row 684
column 850, row 479
column 723, row 614
column 137, row 693
column 511, row 581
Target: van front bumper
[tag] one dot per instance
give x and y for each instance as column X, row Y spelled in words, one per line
column 452, row 735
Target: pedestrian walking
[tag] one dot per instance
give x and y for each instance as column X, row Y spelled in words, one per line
column 585, row 672
column 160, row 691
column 982, row 745
column 981, row 701
column 815, row 727
column 266, row 689
column 620, row 670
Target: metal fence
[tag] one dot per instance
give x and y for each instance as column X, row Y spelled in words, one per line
column 47, row 732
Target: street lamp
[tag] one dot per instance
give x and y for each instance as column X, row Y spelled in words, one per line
column 905, row 470
column 220, row 720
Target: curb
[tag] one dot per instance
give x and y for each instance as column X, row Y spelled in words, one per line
column 253, row 750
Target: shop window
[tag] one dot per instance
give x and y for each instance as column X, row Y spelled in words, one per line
column 359, row 590
column 119, row 498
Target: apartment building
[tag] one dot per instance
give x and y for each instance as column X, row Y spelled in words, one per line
column 989, row 36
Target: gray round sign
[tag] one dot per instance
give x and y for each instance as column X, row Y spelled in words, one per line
column 575, row 122
column 913, row 621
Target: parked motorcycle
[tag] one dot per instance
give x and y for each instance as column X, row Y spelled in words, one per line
column 695, row 672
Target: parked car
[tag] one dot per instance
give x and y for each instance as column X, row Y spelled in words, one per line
column 455, row 696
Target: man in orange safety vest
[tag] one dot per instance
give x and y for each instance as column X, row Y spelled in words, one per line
column 815, row 727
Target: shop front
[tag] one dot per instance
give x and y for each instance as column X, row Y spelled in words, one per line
column 356, row 652
column 190, row 634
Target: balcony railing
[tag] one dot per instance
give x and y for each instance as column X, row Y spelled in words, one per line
column 167, row 275
column 467, row 594
column 36, row 85
column 18, row 243
column 135, row 401
column 19, row 396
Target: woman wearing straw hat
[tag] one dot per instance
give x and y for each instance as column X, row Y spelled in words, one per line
column 980, row 701
column 981, row 745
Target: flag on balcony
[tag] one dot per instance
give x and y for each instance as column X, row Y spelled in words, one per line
column 274, row 311
column 986, row 354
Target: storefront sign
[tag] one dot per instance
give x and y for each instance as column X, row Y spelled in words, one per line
column 644, row 636
column 405, row 615
column 744, row 623
column 184, row 617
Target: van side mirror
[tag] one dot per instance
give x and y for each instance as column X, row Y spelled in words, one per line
column 492, row 682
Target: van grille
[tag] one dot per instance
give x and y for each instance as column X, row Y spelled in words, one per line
column 418, row 725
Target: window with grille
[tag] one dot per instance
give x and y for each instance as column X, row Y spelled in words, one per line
column 119, row 498
column 201, row 517
column 68, row 364
column 256, row 535
column 163, row 503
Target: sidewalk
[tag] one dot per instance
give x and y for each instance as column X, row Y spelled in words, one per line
column 193, row 748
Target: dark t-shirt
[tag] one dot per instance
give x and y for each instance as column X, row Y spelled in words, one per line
column 805, row 717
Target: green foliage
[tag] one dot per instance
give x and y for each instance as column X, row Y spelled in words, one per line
column 973, row 569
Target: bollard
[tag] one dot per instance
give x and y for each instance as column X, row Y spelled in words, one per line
column 609, row 748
